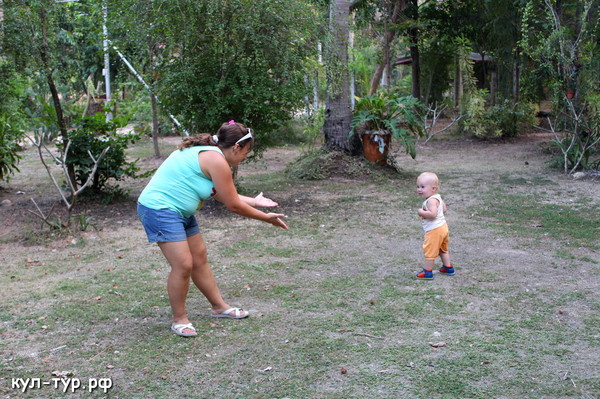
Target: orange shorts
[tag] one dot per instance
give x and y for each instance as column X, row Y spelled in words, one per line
column 436, row 241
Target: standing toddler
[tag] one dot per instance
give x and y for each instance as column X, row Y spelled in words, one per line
column 435, row 226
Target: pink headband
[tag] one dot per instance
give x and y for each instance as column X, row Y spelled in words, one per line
column 232, row 122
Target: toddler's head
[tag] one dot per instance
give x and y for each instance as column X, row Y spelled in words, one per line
column 427, row 184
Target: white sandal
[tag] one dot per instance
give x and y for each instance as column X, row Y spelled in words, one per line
column 237, row 314
column 178, row 329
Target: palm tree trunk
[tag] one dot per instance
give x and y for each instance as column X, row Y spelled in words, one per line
column 338, row 112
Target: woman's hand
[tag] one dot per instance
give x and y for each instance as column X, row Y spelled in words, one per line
column 264, row 202
column 275, row 220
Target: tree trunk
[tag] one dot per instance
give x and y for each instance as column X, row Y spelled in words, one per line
column 493, row 87
column 483, row 71
column 388, row 37
column 352, row 80
column 154, row 125
column 415, row 68
column 516, row 77
column 413, row 34
column 458, row 84
column 376, row 79
column 60, row 119
column 338, row 112
column 316, row 94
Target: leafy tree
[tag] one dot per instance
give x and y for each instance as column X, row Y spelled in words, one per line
column 387, row 19
column 136, row 28
column 227, row 59
column 488, row 27
column 564, row 44
column 12, row 87
column 54, row 44
column 365, row 56
column 9, row 155
column 414, row 46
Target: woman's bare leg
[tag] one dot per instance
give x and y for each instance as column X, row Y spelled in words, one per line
column 179, row 256
column 202, row 274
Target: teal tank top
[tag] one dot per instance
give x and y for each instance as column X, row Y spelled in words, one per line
column 179, row 184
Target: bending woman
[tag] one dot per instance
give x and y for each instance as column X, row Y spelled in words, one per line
column 200, row 168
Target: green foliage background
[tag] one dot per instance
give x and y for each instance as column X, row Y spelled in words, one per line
column 222, row 60
column 92, row 137
column 210, row 61
column 12, row 89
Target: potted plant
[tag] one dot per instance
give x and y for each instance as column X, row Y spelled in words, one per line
column 384, row 115
column 570, row 93
column 571, row 88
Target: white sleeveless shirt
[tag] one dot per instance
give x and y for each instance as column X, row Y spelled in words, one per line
column 440, row 219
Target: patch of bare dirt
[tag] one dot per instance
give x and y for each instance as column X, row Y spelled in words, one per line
column 523, row 154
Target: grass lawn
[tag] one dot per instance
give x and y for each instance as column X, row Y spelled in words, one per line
column 336, row 310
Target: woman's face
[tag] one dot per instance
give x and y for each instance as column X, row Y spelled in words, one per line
column 238, row 154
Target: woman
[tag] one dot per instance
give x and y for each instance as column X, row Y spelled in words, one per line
column 200, row 168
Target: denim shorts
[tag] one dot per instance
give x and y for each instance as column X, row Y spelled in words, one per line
column 165, row 225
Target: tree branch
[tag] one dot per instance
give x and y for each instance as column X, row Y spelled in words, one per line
column 63, row 163
column 39, row 146
column 436, row 114
column 93, row 172
column 40, row 214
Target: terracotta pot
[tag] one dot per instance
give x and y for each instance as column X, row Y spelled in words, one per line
column 376, row 145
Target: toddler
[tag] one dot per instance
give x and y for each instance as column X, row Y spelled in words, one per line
column 435, row 226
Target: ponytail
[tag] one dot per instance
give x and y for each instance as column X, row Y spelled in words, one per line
column 202, row 139
column 229, row 134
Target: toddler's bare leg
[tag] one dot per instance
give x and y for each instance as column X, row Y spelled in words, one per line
column 445, row 258
column 428, row 264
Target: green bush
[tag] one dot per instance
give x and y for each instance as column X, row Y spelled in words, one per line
column 313, row 129
column 9, row 158
column 93, row 136
column 475, row 120
column 510, row 116
column 12, row 89
column 289, row 133
column 502, row 120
